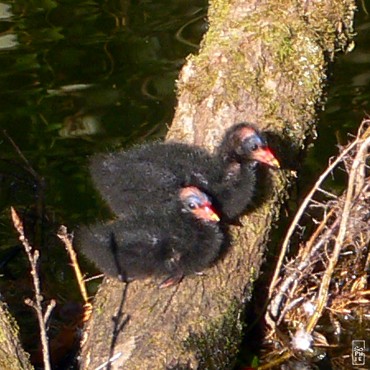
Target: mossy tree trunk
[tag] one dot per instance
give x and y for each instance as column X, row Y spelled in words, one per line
column 260, row 61
column 12, row 355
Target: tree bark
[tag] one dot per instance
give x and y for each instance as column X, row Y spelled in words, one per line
column 12, row 355
column 263, row 62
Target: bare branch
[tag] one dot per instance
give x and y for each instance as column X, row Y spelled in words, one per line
column 37, row 304
column 299, row 296
column 301, row 211
column 356, row 172
column 67, row 240
column 24, row 159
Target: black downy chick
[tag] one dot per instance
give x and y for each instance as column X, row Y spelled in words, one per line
column 180, row 240
column 148, row 175
column 242, row 149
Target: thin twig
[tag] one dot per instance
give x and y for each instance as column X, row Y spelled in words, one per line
column 302, row 263
column 21, row 155
column 37, row 304
column 49, row 309
column 301, row 211
column 99, row 276
column 67, row 240
column 330, row 236
column 324, row 287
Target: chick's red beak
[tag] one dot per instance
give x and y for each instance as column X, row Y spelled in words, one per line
column 207, row 213
column 264, row 155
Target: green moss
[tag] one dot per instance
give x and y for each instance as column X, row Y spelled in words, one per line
column 218, row 345
column 297, row 55
column 99, row 305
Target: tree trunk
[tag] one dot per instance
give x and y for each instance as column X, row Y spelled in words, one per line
column 12, row 355
column 263, row 62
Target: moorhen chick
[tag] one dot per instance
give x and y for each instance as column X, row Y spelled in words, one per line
column 242, row 149
column 149, row 174
column 180, row 240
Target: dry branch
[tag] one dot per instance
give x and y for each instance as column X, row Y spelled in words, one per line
column 67, row 240
column 300, row 290
column 42, row 318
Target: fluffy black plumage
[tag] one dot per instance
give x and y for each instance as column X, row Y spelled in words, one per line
column 148, row 176
column 180, row 240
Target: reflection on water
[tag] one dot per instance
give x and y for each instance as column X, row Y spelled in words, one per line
column 5, row 11
column 78, row 77
column 9, row 41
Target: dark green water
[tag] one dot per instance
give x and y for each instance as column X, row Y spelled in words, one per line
column 81, row 76
column 78, row 77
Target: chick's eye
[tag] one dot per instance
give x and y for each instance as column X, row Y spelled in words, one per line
column 192, row 205
column 254, row 147
column 254, row 143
